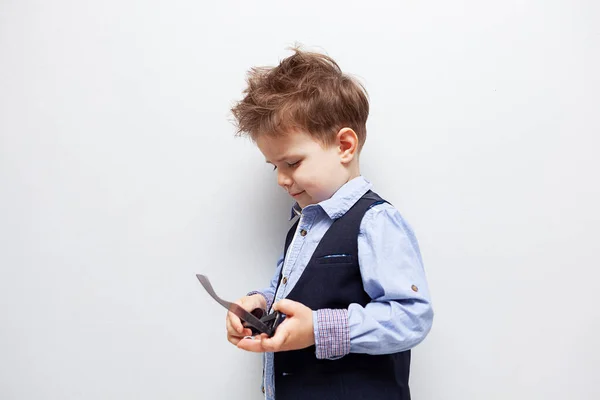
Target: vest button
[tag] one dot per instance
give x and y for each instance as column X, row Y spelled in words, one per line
column 284, row 280
column 303, row 232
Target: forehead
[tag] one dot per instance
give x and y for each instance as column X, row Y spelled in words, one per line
column 292, row 143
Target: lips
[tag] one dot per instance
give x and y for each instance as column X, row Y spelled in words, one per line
column 296, row 194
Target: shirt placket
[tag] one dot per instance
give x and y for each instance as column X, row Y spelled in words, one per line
column 292, row 257
column 289, row 262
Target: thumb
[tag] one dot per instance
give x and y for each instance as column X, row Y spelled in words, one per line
column 287, row 307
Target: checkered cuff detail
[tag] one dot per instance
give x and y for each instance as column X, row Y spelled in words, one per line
column 332, row 333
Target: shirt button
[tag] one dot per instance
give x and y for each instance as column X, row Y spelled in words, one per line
column 284, row 280
column 303, row 232
column 414, row 288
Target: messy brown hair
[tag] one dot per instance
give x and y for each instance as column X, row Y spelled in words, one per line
column 307, row 91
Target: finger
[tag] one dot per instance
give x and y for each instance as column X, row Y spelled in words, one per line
column 228, row 325
column 277, row 342
column 230, row 330
column 233, row 339
column 245, row 304
column 233, row 333
column 287, row 307
column 251, row 344
column 246, row 332
column 236, row 323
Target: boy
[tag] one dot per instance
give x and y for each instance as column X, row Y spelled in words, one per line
column 350, row 279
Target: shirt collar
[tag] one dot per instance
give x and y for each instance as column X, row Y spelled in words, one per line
column 342, row 200
column 296, row 210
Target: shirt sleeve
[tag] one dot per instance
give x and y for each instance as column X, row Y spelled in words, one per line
column 269, row 292
column 399, row 315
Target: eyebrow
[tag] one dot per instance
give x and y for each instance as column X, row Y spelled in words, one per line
column 283, row 158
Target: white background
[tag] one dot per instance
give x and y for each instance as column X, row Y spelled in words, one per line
column 120, row 179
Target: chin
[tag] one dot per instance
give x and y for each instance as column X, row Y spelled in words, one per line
column 303, row 204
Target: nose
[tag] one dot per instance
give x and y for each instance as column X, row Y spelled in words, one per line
column 283, row 179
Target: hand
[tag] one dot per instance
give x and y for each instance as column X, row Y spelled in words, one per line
column 235, row 330
column 295, row 332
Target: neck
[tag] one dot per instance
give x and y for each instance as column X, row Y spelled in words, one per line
column 353, row 170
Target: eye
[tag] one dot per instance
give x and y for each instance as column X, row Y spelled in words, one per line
column 293, row 165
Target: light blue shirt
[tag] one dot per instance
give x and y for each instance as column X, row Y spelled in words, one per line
column 399, row 315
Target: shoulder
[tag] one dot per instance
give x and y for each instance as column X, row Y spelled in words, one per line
column 382, row 212
column 384, row 230
column 384, row 217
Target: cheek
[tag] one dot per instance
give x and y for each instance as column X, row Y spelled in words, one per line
column 305, row 178
column 317, row 184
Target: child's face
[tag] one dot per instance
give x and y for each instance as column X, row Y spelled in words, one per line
column 306, row 169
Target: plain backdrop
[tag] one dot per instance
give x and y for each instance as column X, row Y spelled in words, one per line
column 120, row 179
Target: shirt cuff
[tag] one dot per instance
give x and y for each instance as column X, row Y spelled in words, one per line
column 332, row 333
column 263, row 295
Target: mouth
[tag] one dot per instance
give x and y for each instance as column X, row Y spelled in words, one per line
column 296, row 194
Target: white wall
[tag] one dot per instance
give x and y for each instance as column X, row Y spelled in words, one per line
column 120, row 179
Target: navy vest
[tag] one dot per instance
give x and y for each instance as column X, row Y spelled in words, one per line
column 332, row 279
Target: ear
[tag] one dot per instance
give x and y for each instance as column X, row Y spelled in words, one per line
column 347, row 141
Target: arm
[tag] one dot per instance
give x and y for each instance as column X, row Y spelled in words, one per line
column 399, row 315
